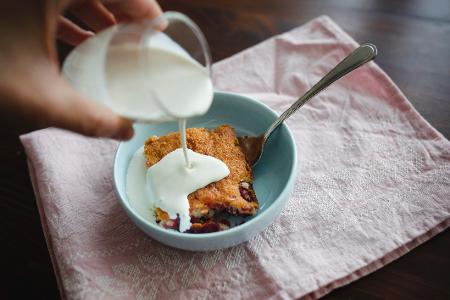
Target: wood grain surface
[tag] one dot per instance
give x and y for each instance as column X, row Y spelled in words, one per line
column 413, row 38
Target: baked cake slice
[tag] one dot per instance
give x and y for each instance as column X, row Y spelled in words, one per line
column 232, row 195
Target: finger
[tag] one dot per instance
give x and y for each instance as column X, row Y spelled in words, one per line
column 33, row 92
column 63, row 107
column 71, row 33
column 134, row 9
column 94, row 14
column 91, row 119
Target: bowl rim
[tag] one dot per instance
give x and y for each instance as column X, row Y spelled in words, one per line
column 225, row 233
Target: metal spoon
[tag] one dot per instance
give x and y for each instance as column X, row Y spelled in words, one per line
column 253, row 145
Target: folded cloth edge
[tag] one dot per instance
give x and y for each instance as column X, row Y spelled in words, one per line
column 378, row 263
column 45, row 228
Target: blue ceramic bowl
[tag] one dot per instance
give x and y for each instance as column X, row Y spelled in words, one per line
column 274, row 175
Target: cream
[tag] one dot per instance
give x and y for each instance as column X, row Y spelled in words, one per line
column 168, row 183
column 153, row 84
column 136, row 186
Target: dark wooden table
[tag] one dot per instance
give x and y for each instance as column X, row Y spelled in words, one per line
column 413, row 37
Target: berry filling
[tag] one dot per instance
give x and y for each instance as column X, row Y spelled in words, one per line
column 246, row 189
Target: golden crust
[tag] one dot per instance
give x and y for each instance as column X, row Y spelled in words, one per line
column 224, row 195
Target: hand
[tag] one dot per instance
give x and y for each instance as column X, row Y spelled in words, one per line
column 32, row 92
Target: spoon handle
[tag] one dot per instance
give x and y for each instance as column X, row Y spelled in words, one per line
column 357, row 58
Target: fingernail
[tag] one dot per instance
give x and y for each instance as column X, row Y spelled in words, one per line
column 124, row 134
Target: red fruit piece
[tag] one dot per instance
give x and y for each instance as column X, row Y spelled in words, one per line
column 246, row 191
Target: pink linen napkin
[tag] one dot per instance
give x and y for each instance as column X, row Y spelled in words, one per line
column 373, row 183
